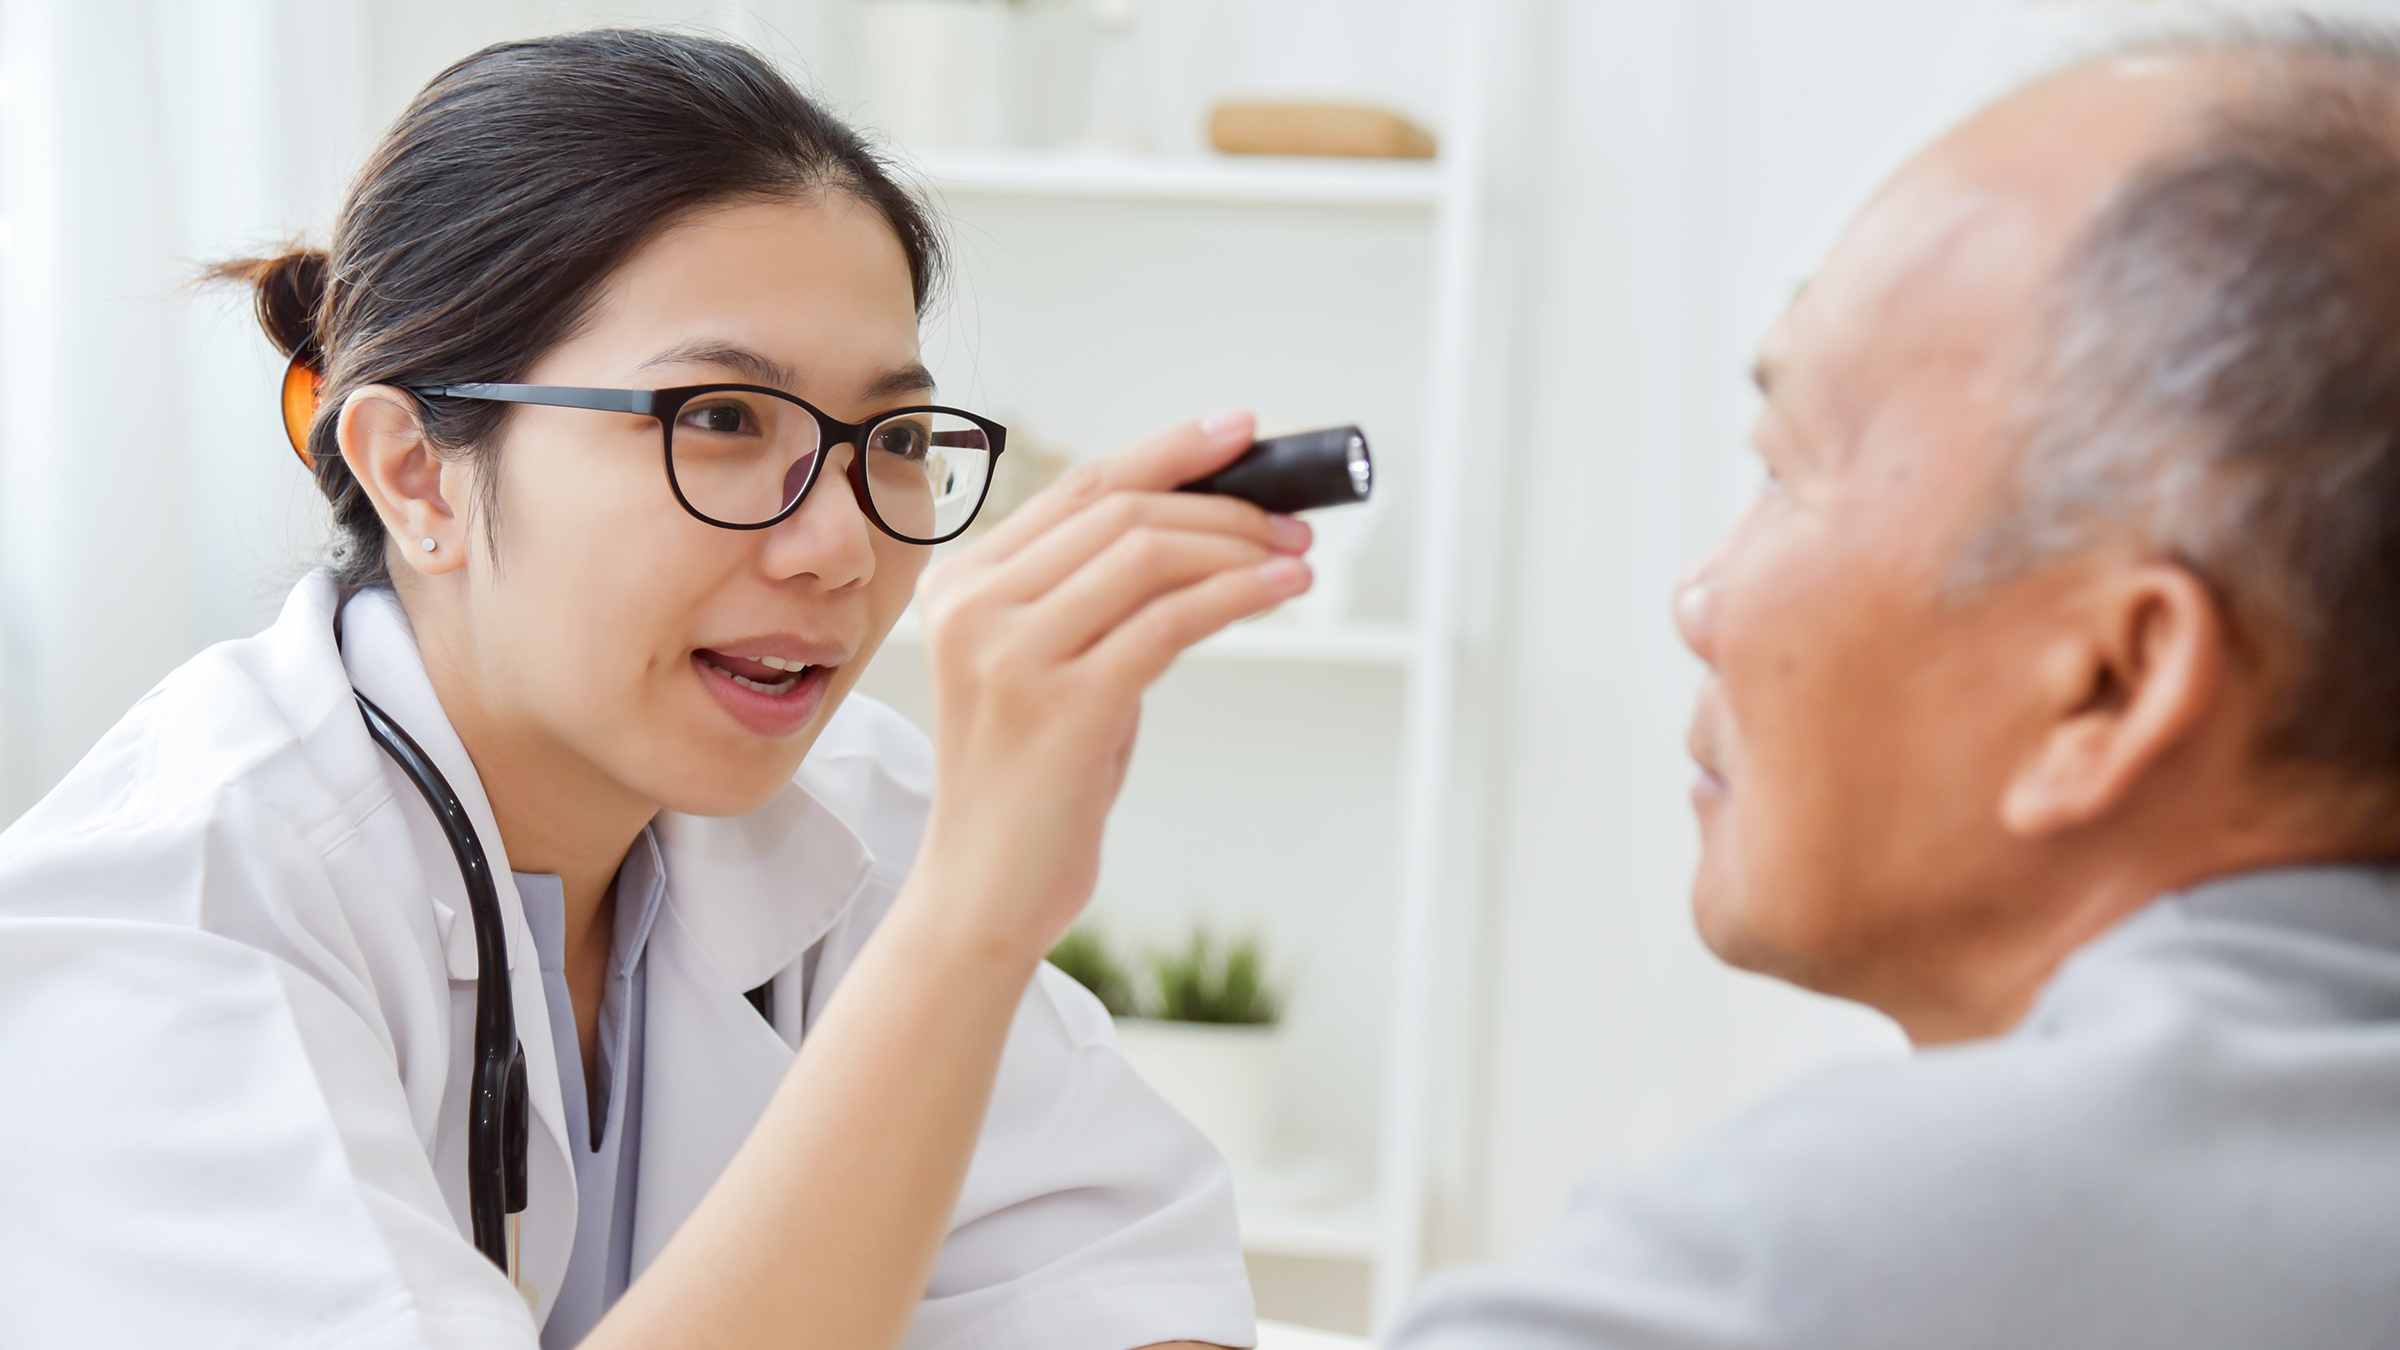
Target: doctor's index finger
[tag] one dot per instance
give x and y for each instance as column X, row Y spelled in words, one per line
column 1133, row 570
column 1139, row 648
column 1160, row 463
column 1075, row 542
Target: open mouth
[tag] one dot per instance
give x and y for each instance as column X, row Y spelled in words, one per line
column 767, row 675
column 1701, row 744
column 770, row 695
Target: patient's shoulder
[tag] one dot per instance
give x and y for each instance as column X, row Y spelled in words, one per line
column 2156, row 1173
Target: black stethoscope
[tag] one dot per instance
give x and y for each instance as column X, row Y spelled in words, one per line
column 496, row 1124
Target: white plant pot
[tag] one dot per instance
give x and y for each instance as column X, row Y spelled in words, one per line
column 1221, row 1078
column 934, row 73
column 1051, row 45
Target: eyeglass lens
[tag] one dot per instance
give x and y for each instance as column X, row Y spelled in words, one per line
column 743, row 457
column 926, row 472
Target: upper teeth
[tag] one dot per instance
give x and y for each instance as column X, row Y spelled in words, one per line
column 778, row 663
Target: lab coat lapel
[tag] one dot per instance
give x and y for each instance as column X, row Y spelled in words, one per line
column 746, row 897
column 380, row 652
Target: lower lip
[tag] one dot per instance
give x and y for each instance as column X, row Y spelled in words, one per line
column 767, row 714
column 1707, row 789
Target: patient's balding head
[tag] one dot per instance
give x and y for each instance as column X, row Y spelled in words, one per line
column 2219, row 376
column 2075, row 577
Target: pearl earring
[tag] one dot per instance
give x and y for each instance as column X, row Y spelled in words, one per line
column 430, row 546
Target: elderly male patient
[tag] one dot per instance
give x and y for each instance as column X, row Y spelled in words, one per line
column 2054, row 709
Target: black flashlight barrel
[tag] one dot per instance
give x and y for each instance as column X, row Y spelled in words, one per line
column 1300, row 472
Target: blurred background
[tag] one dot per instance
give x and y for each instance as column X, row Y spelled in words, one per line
column 1444, row 795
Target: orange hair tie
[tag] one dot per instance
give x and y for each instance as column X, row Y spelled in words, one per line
column 303, row 385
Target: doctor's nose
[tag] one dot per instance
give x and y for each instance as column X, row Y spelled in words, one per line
column 830, row 536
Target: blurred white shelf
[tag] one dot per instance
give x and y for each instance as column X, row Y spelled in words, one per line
column 1271, row 643
column 1120, row 176
column 1353, row 1232
column 1349, row 644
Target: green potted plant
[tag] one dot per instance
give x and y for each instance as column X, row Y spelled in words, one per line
column 1203, row 1029
column 1084, row 957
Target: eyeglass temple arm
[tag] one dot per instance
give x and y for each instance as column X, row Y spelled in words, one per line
column 638, row 401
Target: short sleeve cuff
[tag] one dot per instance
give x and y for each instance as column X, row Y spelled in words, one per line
column 1100, row 1311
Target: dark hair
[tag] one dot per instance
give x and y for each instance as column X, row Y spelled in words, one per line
column 480, row 231
column 2223, row 378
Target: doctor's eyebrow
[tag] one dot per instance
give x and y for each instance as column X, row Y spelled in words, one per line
column 909, row 379
column 758, row 368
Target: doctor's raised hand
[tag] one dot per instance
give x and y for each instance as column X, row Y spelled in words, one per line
column 610, row 375
column 1044, row 636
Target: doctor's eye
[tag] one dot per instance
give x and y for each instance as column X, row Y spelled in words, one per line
column 902, row 439
column 725, row 419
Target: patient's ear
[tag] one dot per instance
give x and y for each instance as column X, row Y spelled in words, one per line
column 383, row 440
column 2121, row 690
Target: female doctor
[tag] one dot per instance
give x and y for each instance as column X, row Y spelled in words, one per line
column 238, row 976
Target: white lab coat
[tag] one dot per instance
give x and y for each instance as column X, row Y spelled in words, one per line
column 237, row 987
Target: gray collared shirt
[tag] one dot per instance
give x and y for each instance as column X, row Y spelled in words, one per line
column 607, row 1151
column 2193, row 1141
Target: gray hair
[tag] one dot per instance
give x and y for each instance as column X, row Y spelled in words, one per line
column 2221, row 379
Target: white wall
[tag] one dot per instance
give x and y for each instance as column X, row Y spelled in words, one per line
column 145, row 508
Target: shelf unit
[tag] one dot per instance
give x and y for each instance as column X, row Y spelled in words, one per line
column 1269, row 643
column 1352, row 1232
column 1410, row 660
column 1117, row 176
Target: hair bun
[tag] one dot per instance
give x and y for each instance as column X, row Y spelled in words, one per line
column 289, row 293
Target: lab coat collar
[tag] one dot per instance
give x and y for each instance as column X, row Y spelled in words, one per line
column 754, row 892
column 747, row 896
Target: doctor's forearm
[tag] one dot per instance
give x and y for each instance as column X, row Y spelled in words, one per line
column 824, row 1228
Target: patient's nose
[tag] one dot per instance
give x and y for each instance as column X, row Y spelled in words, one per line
column 1696, row 608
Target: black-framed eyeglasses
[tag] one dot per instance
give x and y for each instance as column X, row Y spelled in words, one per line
column 744, row 456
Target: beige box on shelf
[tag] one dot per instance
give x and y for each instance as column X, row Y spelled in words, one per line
column 1316, row 129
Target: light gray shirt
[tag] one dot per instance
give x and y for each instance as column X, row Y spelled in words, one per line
column 2193, row 1141
column 607, row 1152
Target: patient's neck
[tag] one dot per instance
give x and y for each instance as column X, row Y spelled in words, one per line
column 1982, row 976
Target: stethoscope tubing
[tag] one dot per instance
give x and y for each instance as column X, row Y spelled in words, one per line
column 496, row 1120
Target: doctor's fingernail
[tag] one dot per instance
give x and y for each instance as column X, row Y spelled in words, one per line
column 1219, row 425
column 1289, row 575
column 1292, row 534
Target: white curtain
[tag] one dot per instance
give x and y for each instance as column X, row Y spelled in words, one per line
column 147, row 505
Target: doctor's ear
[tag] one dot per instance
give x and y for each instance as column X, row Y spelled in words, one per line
column 383, row 440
